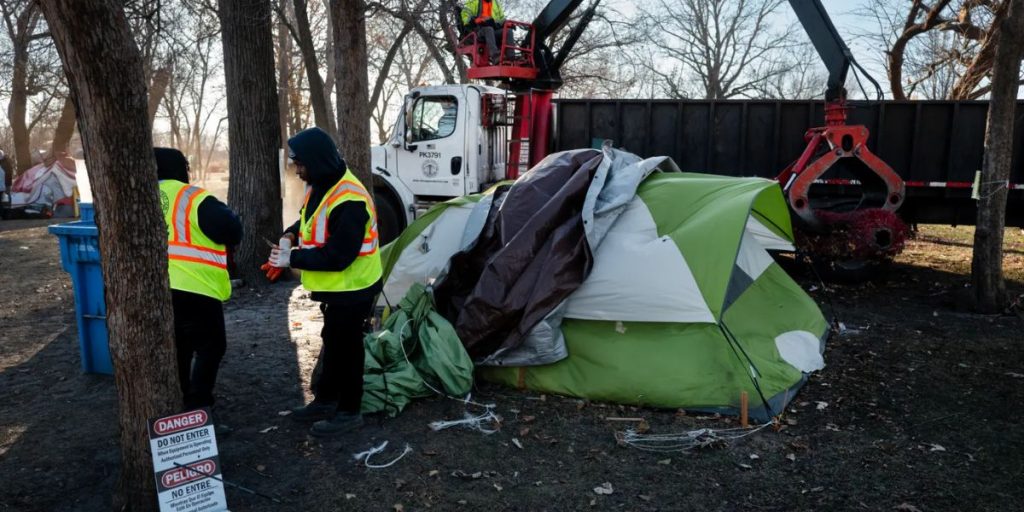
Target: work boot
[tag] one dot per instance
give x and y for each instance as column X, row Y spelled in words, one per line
column 315, row 411
column 341, row 423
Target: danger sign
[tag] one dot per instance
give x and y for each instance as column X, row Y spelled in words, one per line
column 186, row 463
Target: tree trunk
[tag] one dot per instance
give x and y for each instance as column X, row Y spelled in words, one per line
column 254, row 187
column 284, row 71
column 157, row 89
column 987, row 265
column 17, row 110
column 317, row 94
column 110, row 96
column 65, row 128
column 348, row 19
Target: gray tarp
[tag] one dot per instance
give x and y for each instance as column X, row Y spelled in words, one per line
column 504, row 293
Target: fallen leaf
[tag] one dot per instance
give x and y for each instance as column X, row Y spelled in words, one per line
column 538, row 483
column 349, row 496
column 398, row 507
column 527, row 419
column 498, row 487
column 283, row 413
column 791, row 422
column 261, row 467
column 605, row 488
column 665, row 462
column 754, row 456
column 937, row 448
column 1015, row 375
column 268, row 429
column 461, row 502
column 593, row 502
column 832, row 426
column 642, row 427
column 644, row 497
column 907, row 507
column 791, row 457
column 433, row 472
column 523, row 432
column 821, row 406
column 516, row 442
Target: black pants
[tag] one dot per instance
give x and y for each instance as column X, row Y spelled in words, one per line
column 200, row 339
column 493, row 46
column 339, row 373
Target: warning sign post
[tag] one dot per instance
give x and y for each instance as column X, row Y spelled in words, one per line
column 185, row 457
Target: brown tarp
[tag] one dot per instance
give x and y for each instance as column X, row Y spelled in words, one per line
column 530, row 256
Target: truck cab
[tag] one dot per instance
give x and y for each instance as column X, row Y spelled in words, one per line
column 448, row 141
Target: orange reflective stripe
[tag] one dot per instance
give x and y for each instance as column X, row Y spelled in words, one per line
column 174, row 215
column 195, row 254
column 198, row 248
column 188, row 212
column 181, row 217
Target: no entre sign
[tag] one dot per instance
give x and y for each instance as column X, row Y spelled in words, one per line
column 186, row 463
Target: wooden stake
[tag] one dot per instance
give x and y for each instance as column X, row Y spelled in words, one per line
column 744, row 404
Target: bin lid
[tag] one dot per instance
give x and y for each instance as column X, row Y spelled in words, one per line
column 77, row 228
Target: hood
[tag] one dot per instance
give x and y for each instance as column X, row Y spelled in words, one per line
column 318, row 153
column 171, row 164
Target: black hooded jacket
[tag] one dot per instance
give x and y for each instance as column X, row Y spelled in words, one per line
column 216, row 220
column 346, row 224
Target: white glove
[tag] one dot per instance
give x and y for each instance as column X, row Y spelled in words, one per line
column 281, row 255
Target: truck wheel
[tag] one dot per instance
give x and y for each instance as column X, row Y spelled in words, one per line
column 388, row 220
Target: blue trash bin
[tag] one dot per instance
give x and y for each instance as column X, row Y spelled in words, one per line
column 80, row 257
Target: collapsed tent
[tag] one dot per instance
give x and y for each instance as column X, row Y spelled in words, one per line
column 45, row 186
column 414, row 355
column 607, row 277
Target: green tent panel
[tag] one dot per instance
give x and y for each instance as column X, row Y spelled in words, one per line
column 684, row 306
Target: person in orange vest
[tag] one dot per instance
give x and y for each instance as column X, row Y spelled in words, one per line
column 338, row 252
column 487, row 17
column 200, row 228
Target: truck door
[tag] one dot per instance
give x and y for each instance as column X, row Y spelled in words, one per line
column 432, row 162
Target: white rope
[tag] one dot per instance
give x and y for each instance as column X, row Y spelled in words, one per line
column 365, row 456
column 683, row 441
column 470, row 421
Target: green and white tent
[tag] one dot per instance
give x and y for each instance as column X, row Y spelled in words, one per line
column 683, row 306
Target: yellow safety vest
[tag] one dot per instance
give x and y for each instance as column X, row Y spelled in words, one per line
column 366, row 269
column 472, row 9
column 194, row 262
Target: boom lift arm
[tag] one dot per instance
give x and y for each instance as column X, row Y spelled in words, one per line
column 828, row 145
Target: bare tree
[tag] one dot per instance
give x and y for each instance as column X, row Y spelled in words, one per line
column 987, row 264
column 940, row 50
column 29, row 40
column 254, row 189
column 110, row 94
column 729, row 46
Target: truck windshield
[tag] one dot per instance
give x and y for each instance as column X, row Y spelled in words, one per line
column 433, row 118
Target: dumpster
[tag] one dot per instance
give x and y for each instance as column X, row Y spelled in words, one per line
column 80, row 257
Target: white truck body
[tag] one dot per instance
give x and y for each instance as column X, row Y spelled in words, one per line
column 440, row 148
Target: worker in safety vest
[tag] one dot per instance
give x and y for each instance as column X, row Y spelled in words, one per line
column 339, row 255
column 199, row 230
column 487, row 17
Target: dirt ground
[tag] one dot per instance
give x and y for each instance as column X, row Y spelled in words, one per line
column 916, row 410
